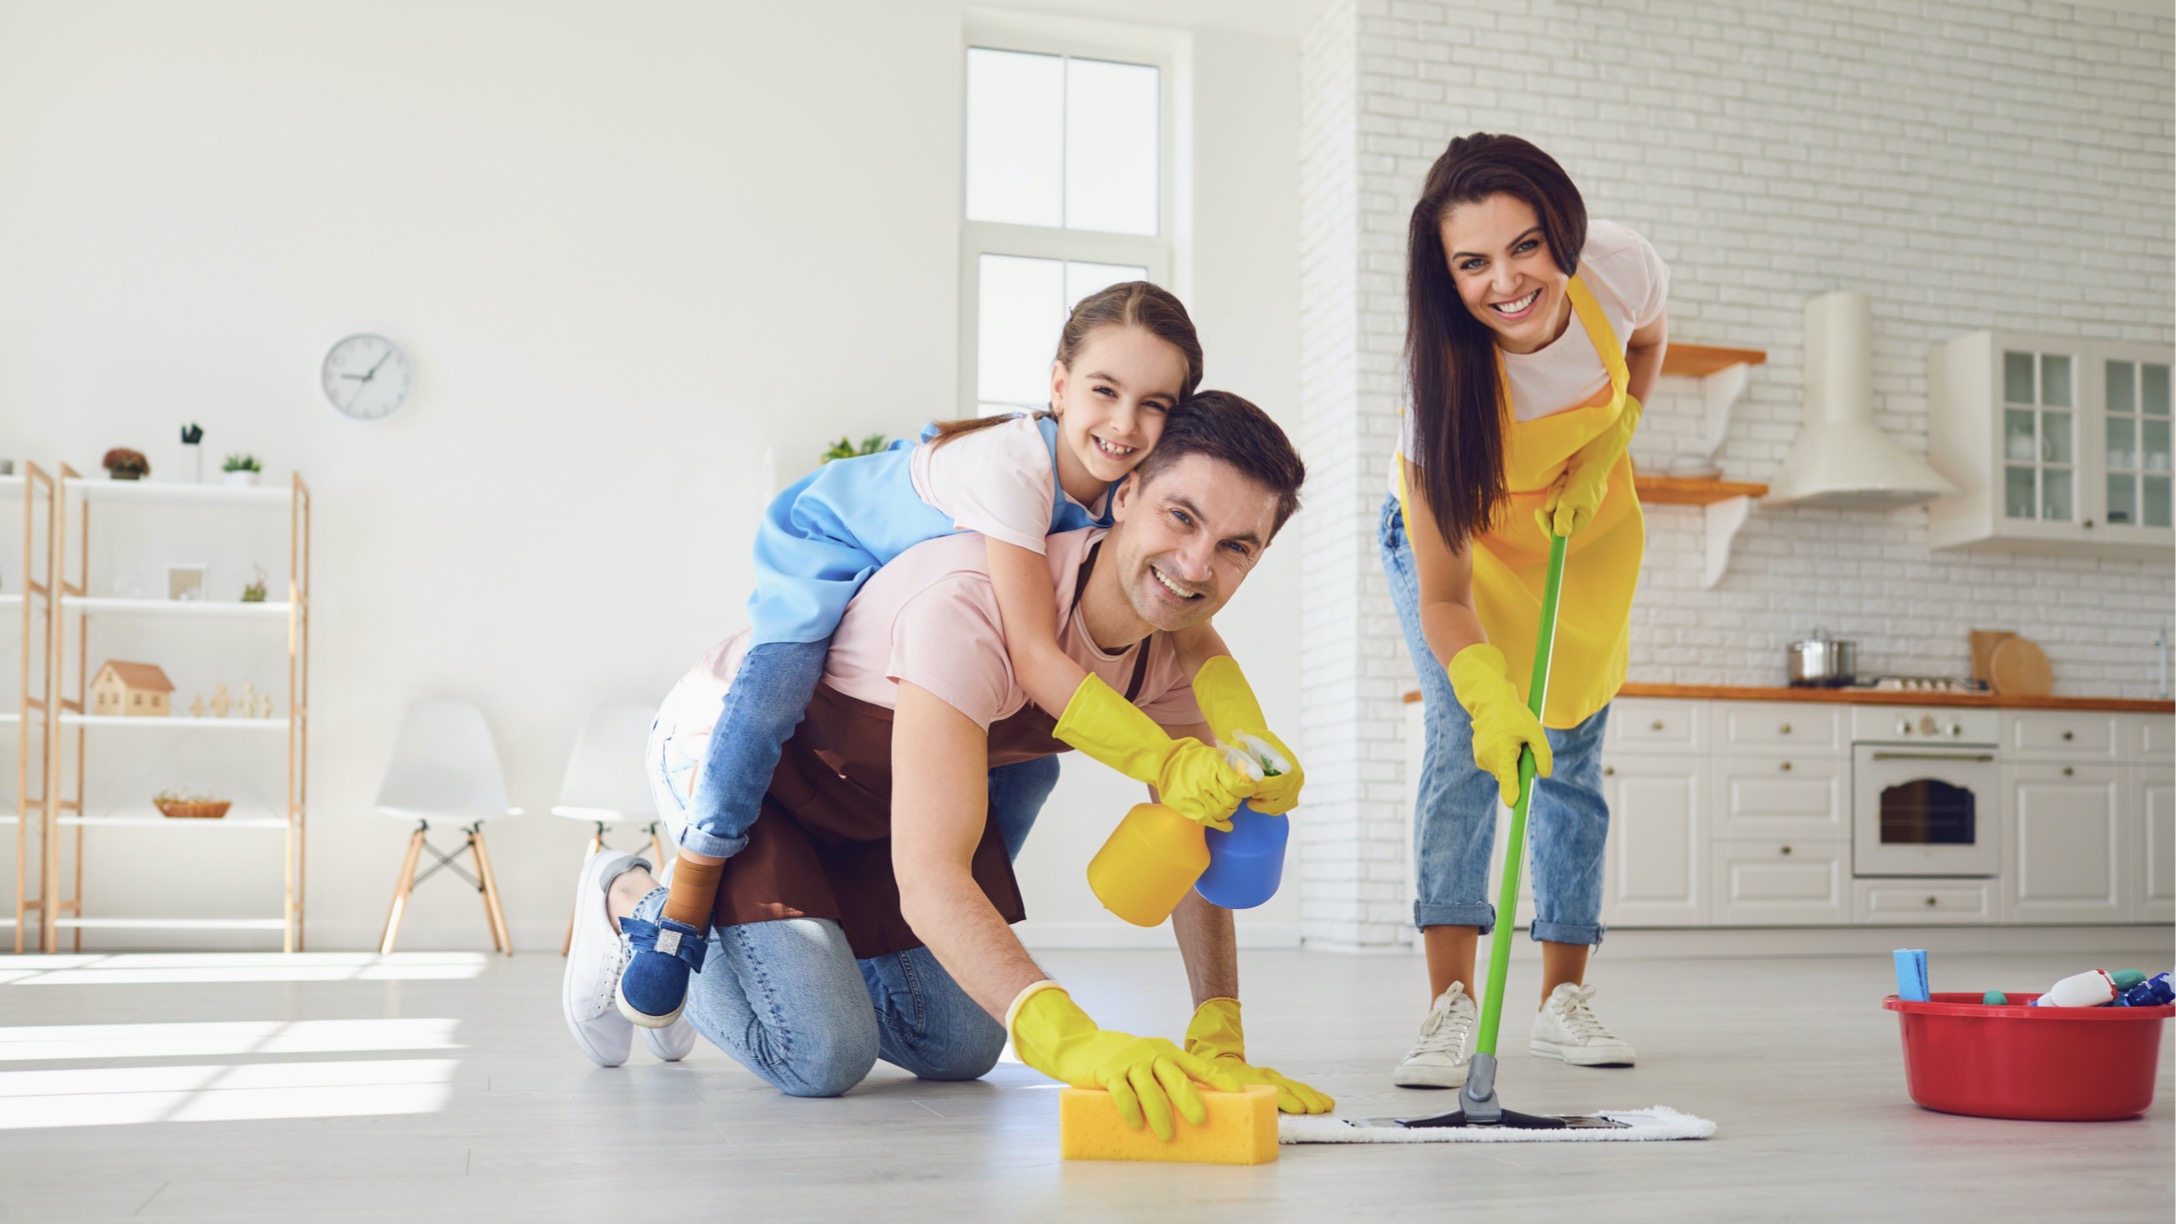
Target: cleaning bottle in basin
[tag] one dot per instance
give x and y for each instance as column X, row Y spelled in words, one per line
column 2093, row 988
column 1147, row 864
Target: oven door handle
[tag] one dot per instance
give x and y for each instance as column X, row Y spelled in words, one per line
column 1933, row 756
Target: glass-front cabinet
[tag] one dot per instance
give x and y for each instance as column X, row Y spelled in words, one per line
column 2053, row 444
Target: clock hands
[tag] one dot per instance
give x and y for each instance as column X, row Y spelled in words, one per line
column 381, row 361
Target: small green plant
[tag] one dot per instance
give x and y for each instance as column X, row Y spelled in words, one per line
column 124, row 464
column 844, row 448
column 242, row 463
column 255, row 591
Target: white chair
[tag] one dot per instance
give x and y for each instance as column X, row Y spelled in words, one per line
column 606, row 782
column 446, row 767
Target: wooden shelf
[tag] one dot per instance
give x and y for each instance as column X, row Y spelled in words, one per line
column 1676, row 491
column 171, row 924
column 196, row 609
column 152, row 492
column 1701, row 360
column 165, row 822
column 173, row 720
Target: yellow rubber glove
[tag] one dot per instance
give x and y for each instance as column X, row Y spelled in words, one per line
column 1577, row 494
column 1147, row 1077
column 1216, row 1036
column 1501, row 722
column 1232, row 712
column 1190, row 777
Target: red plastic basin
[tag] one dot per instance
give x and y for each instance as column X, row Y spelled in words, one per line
column 2054, row 1064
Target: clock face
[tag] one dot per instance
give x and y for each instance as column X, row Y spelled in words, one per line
column 367, row 377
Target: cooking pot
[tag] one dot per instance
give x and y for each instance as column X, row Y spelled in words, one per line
column 1821, row 662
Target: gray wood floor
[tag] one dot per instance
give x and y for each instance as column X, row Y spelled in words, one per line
column 457, row 1095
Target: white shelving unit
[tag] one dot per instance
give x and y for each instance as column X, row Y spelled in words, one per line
column 70, row 722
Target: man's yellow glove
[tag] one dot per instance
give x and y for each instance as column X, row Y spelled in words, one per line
column 1236, row 717
column 1190, row 777
column 1577, row 494
column 1216, row 1036
column 1147, row 1077
column 1501, row 722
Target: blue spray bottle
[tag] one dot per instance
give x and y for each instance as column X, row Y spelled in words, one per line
column 1247, row 864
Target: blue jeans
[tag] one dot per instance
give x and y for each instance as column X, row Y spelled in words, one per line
column 769, row 695
column 789, row 1001
column 1454, row 827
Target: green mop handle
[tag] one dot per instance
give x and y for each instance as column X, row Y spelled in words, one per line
column 1507, row 897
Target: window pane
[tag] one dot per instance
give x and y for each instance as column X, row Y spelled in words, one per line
column 2055, row 437
column 1015, row 137
column 2153, row 445
column 2017, row 436
column 2055, row 495
column 1082, row 279
column 2153, row 386
column 2055, row 380
column 2017, row 377
column 1111, row 147
column 2122, row 499
column 2017, row 492
column 2122, row 396
column 1021, row 307
column 2157, row 501
column 2122, row 444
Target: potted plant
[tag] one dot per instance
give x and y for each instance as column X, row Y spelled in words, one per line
column 844, row 448
column 242, row 469
column 121, row 463
column 255, row 591
column 192, row 438
column 185, row 803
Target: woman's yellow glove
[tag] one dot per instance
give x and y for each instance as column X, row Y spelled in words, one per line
column 1190, row 777
column 1502, row 724
column 1147, row 1077
column 1577, row 494
column 1236, row 717
column 1216, row 1036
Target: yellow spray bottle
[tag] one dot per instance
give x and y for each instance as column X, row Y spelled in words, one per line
column 1150, row 861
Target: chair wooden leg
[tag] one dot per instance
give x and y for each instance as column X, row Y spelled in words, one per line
column 596, row 843
column 492, row 909
column 401, row 889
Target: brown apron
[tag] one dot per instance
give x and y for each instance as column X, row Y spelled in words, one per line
column 821, row 846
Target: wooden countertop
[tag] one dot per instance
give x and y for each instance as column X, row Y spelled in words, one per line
column 1995, row 701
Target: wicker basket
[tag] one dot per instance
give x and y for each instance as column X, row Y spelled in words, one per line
column 209, row 809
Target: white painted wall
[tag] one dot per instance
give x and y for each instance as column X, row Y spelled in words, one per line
column 645, row 258
column 1967, row 164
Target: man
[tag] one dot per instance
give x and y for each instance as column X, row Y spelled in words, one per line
column 869, row 916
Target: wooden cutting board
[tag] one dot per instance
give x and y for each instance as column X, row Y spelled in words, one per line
column 2018, row 666
column 1984, row 642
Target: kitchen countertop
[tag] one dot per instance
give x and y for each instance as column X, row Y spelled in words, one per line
column 1993, row 701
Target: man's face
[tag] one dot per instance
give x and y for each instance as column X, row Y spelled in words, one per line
column 1184, row 541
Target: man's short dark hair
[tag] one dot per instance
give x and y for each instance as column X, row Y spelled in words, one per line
column 1224, row 427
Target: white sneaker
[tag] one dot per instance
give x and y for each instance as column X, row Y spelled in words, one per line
column 1440, row 1057
column 673, row 1042
column 1567, row 1028
column 589, row 991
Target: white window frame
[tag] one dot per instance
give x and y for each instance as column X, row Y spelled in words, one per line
column 1156, row 252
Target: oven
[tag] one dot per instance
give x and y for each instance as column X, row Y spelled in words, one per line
column 1926, row 795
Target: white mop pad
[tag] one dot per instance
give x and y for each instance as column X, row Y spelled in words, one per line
column 1659, row 1122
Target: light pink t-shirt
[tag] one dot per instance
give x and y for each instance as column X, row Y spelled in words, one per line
column 996, row 481
column 930, row 618
column 1630, row 284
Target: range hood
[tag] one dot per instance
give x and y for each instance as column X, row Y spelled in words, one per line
column 1840, row 459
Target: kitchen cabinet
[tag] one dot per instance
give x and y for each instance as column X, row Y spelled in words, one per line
column 1781, row 883
column 1922, row 902
column 1656, row 860
column 2153, row 843
column 2063, row 827
column 2055, row 445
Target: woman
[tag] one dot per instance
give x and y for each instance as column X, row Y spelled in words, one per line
column 1531, row 340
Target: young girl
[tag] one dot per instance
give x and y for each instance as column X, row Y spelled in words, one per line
column 1531, row 339
column 1127, row 357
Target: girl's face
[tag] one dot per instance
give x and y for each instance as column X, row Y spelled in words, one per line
column 1111, row 403
column 1505, row 272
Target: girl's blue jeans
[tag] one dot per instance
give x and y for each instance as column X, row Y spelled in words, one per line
column 789, row 1001
column 1454, row 824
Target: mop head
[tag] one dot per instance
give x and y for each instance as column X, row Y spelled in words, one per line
column 1659, row 1122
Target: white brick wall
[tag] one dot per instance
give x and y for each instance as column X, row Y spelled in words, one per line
column 1967, row 164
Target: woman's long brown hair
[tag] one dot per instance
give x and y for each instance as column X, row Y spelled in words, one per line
column 1454, row 386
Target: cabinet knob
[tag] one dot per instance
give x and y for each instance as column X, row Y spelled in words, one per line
column 1903, row 726
column 1658, row 724
column 1609, row 771
column 2067, row 735
column 1786, row 849
column 1786, row 729
column 2068, row 772
column 1786, row 767
column 1930, row 902
column 2089, row 524
column 1956, row 729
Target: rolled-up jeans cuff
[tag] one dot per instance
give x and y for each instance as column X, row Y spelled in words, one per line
column 692, row 838
column 1433, row 914
column 652, row 904
column 1566, row 933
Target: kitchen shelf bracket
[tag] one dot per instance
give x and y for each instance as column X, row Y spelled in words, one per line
column 1724, row 518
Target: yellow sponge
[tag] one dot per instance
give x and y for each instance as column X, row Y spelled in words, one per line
column 1241, row 1129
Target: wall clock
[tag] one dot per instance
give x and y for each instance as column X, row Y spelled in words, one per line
column 367, row 377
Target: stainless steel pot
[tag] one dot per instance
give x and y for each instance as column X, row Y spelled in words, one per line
column 1822, row 662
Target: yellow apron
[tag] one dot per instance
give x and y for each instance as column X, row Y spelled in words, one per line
column 1602, row 562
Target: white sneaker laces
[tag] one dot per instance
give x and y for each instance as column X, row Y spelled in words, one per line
column 1573, row 1012
column 1448, row 1028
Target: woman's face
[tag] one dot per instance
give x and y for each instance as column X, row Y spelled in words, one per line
column 1505, row 272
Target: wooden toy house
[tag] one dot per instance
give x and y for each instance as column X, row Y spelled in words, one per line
column 131, row 689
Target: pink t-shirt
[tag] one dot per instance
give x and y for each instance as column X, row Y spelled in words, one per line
column 930, row 618
column 996, row 481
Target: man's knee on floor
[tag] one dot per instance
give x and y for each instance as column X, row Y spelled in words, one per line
column 825, row 1063
column 966, row 1051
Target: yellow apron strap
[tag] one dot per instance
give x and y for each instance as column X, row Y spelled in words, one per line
column 1601, row 333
